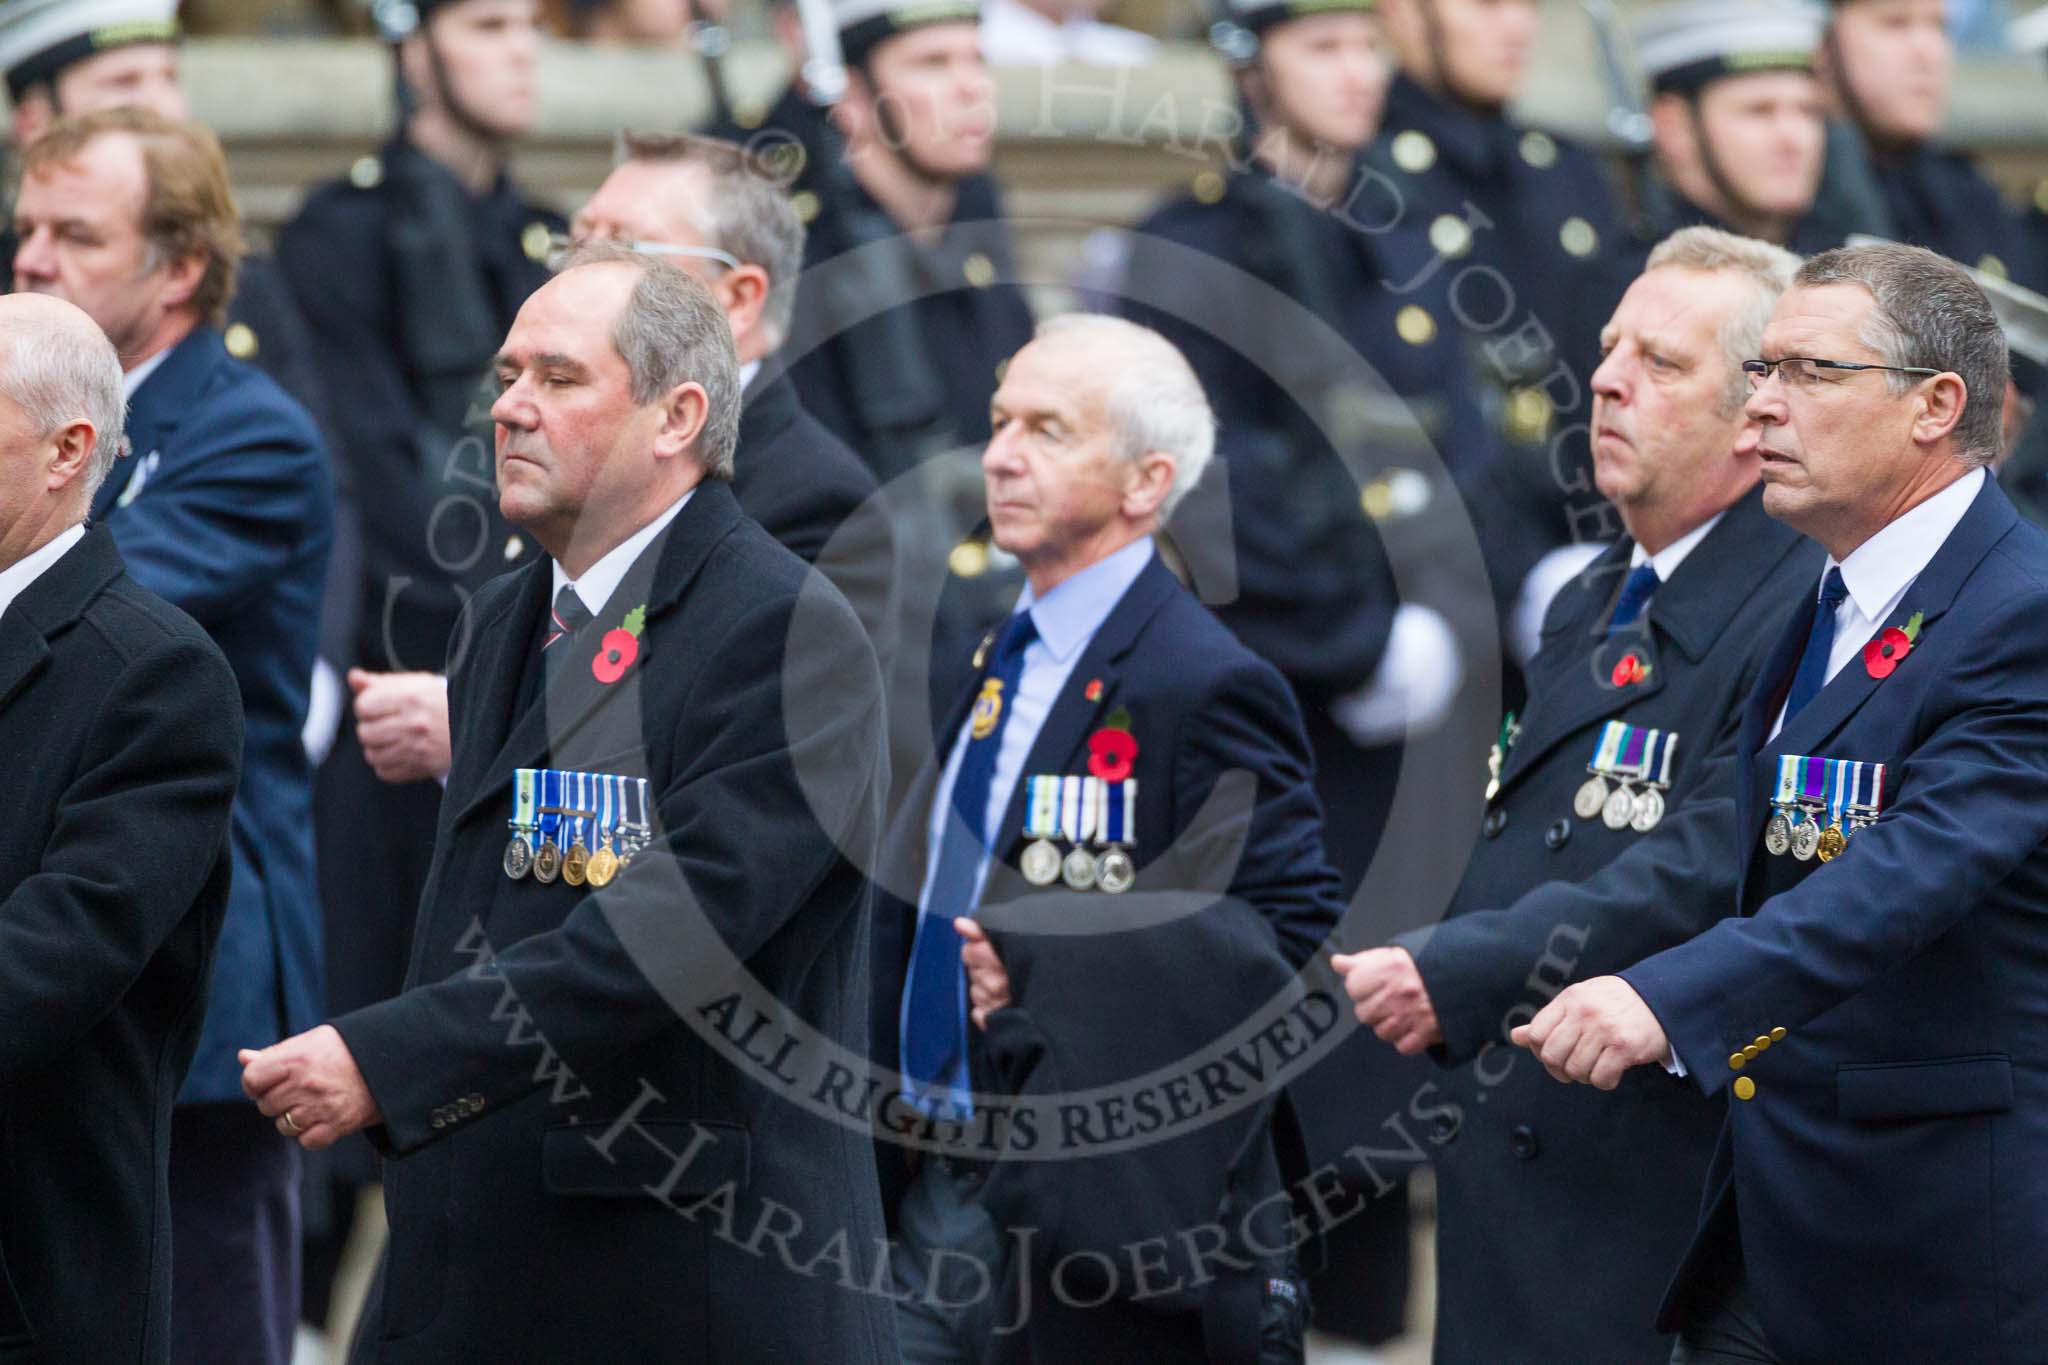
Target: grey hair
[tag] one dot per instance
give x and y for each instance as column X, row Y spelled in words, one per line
column 1929, row 314
column 672, row 331
column 1769, row 270
column 69, row 373
column 1152, row 398
column 747, row 210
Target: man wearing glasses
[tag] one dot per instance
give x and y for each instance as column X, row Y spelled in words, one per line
column 1878, row 1007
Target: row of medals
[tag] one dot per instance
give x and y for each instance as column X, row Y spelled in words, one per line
column 576, row 865
column 1807, row 840
column 1621, row 808
column 1112, row 870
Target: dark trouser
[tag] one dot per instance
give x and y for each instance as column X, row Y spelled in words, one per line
column 949, row 1266
column 234, row 1237
column 1725, row 1330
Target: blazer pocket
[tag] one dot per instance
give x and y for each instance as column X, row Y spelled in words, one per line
column 1949, row 1087
column 668, row 1160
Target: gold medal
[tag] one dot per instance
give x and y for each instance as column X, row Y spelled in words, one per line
column 575, row 863
column 1831, row 842
column 547, row 862
column 604, row 865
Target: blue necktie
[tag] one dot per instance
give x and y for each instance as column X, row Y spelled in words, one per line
column 1820, row 642
column 934, row 1020
column 1635, row 595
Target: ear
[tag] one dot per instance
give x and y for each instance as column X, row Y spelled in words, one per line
column 1146, row 485
column 1671, row 127
column 744, row 294
column 1941, row 404
column 33, row 116
column 684, row 412
column 181, row 280
column 73, row 445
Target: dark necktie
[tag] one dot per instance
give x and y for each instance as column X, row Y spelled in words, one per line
column 1812, row 674
column 934, row 1018
column 1636, row 591
column 558, row 645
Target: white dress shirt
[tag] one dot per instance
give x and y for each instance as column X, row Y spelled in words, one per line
column 602, row 579
column 1878, row 572
column 1667, row 560
column 15, row 578
column 1067, row 619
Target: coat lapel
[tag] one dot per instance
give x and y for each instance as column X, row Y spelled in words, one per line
column 154, row 412
column 658, row 579
column 1990, row 516
column 50, row 604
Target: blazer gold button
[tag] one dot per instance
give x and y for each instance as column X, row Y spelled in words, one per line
column 1763, row 1042
column 1745, row 1088
column 1750, row 1052
column 1737, row 1062
column 1778, row 1034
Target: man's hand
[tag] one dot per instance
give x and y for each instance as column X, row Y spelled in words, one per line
column 1593, row 1032
column 311, row 1086
column 402, row 722
column 1389, row 998
column 988, row 983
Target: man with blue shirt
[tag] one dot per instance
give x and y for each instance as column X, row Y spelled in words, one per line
column 225, row 508
column 1876, row 1004
column 1116, row 746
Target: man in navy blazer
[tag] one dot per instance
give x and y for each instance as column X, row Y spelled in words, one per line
column 1878, row 1004
column 997, row 945
column 223, row 507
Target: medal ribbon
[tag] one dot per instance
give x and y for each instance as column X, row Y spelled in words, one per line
column 607, row 810
column 1788, row 780
column 550, row 800
column 522, row 805
column 1633, row 748
column 1041, row 807
column 1608, row 749
column 1120, row 798
column 1660, row 763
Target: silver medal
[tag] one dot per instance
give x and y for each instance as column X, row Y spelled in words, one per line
column 1805, row 840
column 518, row 857
column 1649, row 809
column 1592, row 797
column 1619, row 810
column 1778, row 835
column 1079, row 869
column 1040, row 863
column 1116, row 872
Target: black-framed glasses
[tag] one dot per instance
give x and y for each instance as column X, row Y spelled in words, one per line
column 1804, row 371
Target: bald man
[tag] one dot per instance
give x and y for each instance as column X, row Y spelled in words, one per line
column 113, row 863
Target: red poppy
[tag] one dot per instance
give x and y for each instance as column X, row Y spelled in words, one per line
column 615, row 654
column 1883, row 654
column 1093, row 692
column 1111, row 753
column 1628, row 669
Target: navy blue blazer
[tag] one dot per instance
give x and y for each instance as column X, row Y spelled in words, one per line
column 224, row 507
column 1887, row 1183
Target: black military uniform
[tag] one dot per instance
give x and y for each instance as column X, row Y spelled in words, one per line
column 1484, row 195
column 1560, row 1210
column 1932, row 198
column 408, row 283
column 1684, row 48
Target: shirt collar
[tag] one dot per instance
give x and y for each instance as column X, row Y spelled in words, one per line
column 1877, row 571
column 1069, row 615
column 1667, row 560
column 602, row 579
column 747, row 373
column 15, row 578
column 133, row 379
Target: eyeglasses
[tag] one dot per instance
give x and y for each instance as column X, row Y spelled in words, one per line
column 560, row 243
column 1804, row 372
